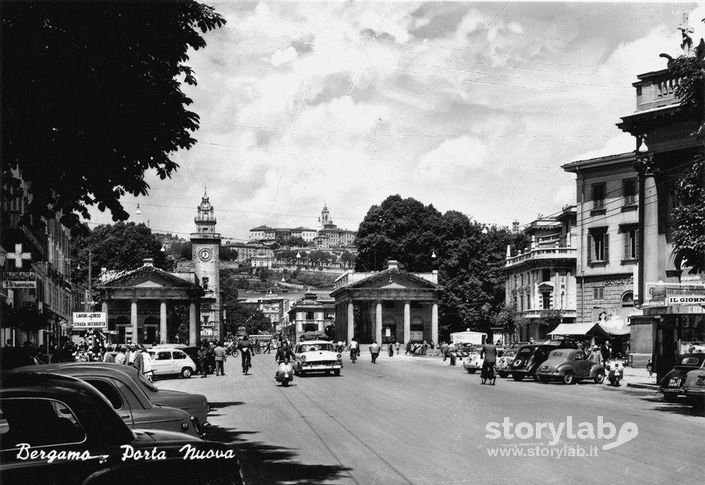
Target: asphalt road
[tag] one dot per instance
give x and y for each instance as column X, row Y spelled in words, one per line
column 419, row 421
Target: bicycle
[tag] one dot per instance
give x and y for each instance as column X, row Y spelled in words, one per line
column 487, row 373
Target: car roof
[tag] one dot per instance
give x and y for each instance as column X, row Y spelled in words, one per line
column 315, row 342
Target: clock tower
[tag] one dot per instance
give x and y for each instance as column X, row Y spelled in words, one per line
column 205, row 251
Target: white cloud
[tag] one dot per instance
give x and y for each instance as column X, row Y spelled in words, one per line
column 457, row 154
column 283, row 56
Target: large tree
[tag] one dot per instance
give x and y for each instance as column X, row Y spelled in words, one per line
column 92, row 99
column 121, row 246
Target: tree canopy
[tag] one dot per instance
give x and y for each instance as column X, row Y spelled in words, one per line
column 121, row 246
column 95, row 100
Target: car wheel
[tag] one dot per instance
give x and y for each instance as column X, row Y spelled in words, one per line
column 670, row 397
column 543, row 380
column 186, row 372
column 568, row 377
column 502, row 374
column 301, row 373
column 336, row 372
column 517, row 377
column 599, row 377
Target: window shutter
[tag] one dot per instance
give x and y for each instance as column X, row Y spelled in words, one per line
column 636, row 243
column 626, row 254
column 606, row 239
column 590, row 244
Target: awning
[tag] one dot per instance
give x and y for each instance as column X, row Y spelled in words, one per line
column 616, row 326
column 580, row 329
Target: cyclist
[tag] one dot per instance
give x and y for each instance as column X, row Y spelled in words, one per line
column 489, row 352
column 246, row 351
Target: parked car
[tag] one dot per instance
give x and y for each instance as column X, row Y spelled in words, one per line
column 504, row 362
column 569, row 366
column 194, row 404
column 58, row 430
column 473, row 362
column 317, row 356
column 170, row 361
column 672, row 384
column 128, row 400
column 529, row 358
column 694, row 386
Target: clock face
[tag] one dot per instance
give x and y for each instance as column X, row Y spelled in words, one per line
column 204, row 254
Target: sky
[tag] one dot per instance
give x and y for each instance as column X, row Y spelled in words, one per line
column 468, row 106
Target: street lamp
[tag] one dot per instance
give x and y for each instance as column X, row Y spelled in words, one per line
column 138, row 212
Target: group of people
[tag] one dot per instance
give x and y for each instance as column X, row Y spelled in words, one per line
column 213, row 355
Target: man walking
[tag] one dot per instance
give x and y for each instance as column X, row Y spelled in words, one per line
column 354, row 350
column 219, row 359
column 374, row 351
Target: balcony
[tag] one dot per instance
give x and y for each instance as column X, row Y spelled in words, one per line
column 655, row 90
column 566, row 313
column 542, row 254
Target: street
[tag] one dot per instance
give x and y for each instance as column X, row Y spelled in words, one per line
column 420, row 421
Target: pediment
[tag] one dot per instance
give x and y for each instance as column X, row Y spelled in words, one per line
column 149, row 284
column 148, row 277
column 393, row 280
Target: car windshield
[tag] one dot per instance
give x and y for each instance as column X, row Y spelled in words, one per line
column 316, row 347
column 525, row 352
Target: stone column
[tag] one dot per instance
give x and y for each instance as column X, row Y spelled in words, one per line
column 133, row 321
column 407, row 321
column 192, row 325
column 434, row 323
column 351, row 321
column 162, row 322
column 104, row 309
column 649, row 263
column 378, row 322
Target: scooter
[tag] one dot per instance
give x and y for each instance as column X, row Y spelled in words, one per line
column 285, row 373
column 615, row 371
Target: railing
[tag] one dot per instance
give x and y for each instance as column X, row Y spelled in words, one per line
column 655, row 90
column 542, row 253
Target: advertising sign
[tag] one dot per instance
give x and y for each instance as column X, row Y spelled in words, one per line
column 19, row 279
column 686, row 299
column 89, row 320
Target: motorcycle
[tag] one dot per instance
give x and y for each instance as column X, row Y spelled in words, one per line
column 615, row 371
column 285, row 373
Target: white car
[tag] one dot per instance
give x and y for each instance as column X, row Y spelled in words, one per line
column 166, row 361
column 473, row 362
column 317, row 356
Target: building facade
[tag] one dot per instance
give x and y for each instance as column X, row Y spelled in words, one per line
column 312, row 315
column 542, row 277
column 205, row 254
column 386, row 306
column 608, row 243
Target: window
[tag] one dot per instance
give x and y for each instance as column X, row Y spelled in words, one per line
column 598, row 245
column 205, row 282
column 631, row 244
column 545, row 275
column 309, row 316
column 598, row 293
column 598, row 196
column 163, row 355
column 108, row 391
column 628, row 299
column 179, row 355
column 39, row 422
column 629, row 191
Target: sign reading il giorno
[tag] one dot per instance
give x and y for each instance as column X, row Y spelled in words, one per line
column 686, row 299
column 89, row 320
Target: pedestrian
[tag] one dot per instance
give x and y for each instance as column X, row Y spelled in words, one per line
column 219, row 352
column 147, row 369
column 203, row 360
column 120, row 357
column 397, row 345
column 596, row 356
column 391, row 349
column 109, row 356
column 605, row 352
column 374, row 351
column 131, row 354
column 444, row 350
column 138, row 360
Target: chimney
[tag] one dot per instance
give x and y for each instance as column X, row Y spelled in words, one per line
column 148, row 262
column 393, row 264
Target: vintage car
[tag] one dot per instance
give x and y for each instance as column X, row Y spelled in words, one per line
column 194, row 404
column 569, row 366
column 317, row 356
column 473, row 362
column 128, row 400
column 529, row 358
column 171, row 361
column 504, row 362
column 694, row 386
column 671, row 385
column 60, row 430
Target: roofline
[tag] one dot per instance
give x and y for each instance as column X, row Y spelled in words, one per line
column 599, row 161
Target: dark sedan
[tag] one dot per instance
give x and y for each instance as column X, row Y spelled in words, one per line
column 672, row 384
column 569, row 366
column 59, row 430
column 530, row 357
column 128, row 400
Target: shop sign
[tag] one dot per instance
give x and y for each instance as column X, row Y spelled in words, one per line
column 89, row 320
column 19, row 280
column 692, row 299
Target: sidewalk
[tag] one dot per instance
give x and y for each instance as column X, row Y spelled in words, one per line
column 639, row 378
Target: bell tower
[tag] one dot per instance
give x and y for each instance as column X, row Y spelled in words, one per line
column 205, row 254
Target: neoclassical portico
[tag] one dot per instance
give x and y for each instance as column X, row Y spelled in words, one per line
column 387, row 306
column 147, row 305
